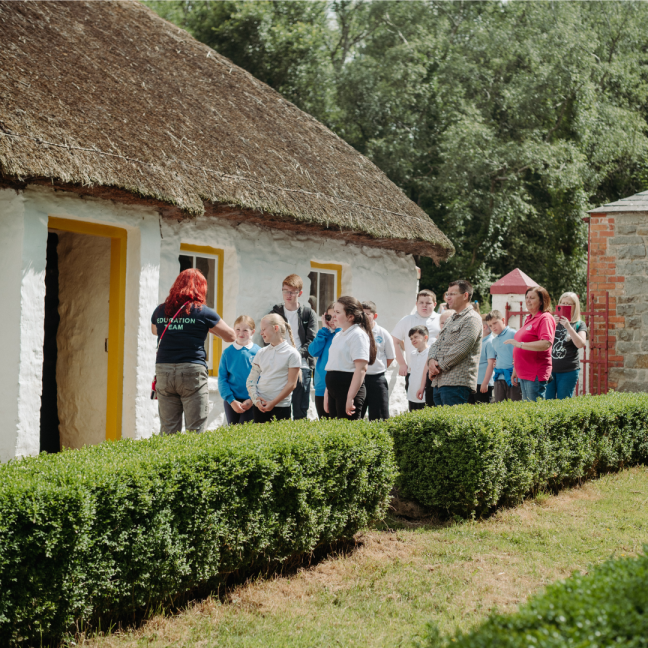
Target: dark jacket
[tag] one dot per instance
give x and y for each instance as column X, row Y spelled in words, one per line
column 307, row 328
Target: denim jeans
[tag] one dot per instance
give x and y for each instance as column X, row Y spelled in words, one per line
column 533, row 390
column 562, row 385
column 451, row 395
column 301, row 395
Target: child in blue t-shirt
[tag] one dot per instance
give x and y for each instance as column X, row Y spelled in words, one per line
column 233, row 371
column 319, row 348
column 500, row 359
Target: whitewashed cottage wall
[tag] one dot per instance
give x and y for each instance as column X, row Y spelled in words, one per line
column 256, row 259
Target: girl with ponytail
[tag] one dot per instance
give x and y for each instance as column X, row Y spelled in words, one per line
column 275, row 372
column 352, row 349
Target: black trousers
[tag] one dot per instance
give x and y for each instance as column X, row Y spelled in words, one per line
column 415, row 406
column 377, row 400
column 337, row 384
column 429, row 395
column 234, row 418
column 478, row 397
column 278, row 413
column 319, row 406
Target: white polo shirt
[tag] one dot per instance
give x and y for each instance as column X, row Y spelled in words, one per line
column 274, row 362
column 384, row 350
column 416, row 362
column 402, row 329
column 347, row 346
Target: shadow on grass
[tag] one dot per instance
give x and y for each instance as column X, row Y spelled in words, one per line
column 220, row 588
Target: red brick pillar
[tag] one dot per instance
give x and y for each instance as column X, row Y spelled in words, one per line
column 602, row 278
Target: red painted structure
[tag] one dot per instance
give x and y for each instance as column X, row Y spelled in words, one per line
column 595, row 360
column 513, row 283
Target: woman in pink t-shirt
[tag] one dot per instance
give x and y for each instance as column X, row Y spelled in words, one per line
column 532, row 353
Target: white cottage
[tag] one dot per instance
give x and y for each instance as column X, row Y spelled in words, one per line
column 129, row 151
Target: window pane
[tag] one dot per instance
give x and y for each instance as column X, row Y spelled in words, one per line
column 186, row 262
column 208, row 269
column 312, row 299
column 327, row 291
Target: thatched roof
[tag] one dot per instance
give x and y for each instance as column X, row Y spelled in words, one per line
column 109, row 95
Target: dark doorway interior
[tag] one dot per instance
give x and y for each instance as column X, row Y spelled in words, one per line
column 49, row 421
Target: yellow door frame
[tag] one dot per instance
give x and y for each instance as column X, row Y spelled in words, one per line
column 116, row 313
column 334, row 267
column 217, row 348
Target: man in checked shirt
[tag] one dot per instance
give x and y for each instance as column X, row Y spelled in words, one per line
column 453, row 360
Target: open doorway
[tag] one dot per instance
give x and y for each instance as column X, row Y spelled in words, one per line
column 49, row 421
column 84, row 334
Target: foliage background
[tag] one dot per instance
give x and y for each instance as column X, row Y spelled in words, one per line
column 505, row 122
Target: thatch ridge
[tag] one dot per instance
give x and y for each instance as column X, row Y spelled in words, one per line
column 109, row 94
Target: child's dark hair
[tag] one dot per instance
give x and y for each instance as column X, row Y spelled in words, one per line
column 421, row 330
column 370, row 306
column 353, row 308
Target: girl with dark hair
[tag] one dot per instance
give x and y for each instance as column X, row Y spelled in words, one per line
column 352, row 349
column 181, row 324
column 532, row 353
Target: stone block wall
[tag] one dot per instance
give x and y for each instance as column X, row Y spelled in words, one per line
column 619, row 266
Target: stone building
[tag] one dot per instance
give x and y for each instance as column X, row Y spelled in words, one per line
column 618, row 266
column 130, row 151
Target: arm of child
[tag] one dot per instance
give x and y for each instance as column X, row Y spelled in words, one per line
column 356, row 383
column 399, row 347
column 293, row 377
column 487, row 376
column 421, row 391
column 251, row 383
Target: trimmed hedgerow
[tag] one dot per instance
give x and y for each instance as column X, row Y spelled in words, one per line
column 467, row 459
column 607, row 607
column 105, row 530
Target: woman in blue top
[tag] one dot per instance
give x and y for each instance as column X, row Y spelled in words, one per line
column 319, row 348
column 182, row 323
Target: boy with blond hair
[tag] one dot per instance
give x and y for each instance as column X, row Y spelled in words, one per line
column 303, row 322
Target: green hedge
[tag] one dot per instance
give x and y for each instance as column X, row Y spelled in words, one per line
column 467, row 459
column 607, row 607
column 112, row 528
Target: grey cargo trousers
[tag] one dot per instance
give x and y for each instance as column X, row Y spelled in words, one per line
column 182, row 388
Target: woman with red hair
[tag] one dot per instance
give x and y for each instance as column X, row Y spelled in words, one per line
column 182, row 323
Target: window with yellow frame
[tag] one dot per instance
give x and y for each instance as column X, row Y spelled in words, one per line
column 325, row 286
column 209, row 261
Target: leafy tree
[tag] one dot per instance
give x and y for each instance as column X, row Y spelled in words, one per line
column 505, row 122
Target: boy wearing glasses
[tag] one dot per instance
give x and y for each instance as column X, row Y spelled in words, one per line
column 303, row 322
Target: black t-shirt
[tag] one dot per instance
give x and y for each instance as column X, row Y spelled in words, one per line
column 564, row 353
column 184, row 340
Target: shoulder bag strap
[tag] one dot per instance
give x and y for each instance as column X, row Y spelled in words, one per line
column 169, row 322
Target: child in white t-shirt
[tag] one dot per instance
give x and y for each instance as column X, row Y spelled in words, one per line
column 417, row 361
column 275, row 371
column 377, row 400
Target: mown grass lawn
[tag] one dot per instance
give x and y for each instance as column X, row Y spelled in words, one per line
column 398, row 579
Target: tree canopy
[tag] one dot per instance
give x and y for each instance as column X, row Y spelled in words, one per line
column 504, row 121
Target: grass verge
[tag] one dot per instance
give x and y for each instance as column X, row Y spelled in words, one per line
column 403, row 576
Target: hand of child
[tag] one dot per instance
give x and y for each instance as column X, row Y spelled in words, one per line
column 402, row 370
column 268, row 406
column 350, row 407
column 420, row 393
column 484, row 387
column 246, row 404
column 237, row 407
column 514, row 378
